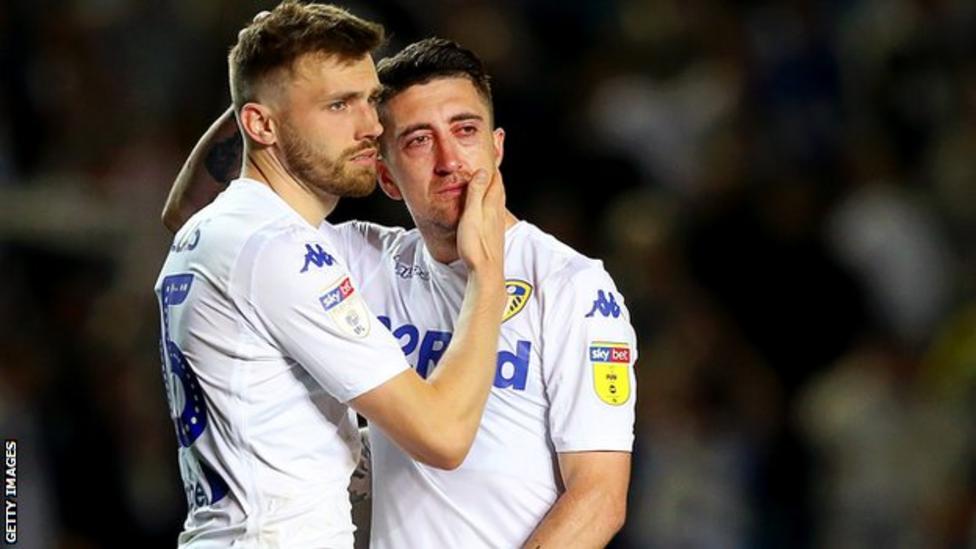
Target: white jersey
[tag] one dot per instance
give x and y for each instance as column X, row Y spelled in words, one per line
column 564, row 383
column 265, row 338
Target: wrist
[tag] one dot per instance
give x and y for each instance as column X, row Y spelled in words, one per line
column 488, row 285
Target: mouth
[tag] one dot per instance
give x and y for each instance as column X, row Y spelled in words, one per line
column 365, row 157
column 452, row 190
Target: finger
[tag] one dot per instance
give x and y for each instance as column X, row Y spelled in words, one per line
column 477, row 187
column 495, row 193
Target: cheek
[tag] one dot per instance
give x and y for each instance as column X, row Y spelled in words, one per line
column 482, row 153
column 415, row 167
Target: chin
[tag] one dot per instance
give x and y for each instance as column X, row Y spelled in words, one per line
column 449, row 221
column 360, row 183
column 360, row 191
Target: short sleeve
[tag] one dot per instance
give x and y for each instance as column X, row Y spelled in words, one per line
column 300, row 292
column 588, row 359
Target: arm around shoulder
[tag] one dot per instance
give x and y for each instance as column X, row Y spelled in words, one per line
column 214, row 162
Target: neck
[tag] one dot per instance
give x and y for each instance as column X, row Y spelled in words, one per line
column 442, row 243
column 264, row 166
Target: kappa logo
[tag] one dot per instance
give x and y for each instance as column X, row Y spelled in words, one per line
column 316, row 256
column 605, row 304
column 611, row 378
column 518, row 295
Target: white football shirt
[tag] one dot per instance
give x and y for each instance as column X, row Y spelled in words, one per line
column 564, row 383
column 265, row 338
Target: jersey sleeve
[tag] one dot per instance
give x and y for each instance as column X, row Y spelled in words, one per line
column 588, row 359
column 305, row 300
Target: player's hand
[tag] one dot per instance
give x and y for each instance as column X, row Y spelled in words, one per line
column 481, row 229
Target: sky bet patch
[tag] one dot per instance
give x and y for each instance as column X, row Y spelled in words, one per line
column 347, row 309
column 610, row 376
column 518, row 295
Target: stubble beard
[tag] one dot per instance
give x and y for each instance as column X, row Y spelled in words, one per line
column 325, row 175
column 444, row 215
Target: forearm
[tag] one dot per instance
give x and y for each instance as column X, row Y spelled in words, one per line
column 594, row 505
column 434, row 421
column 214, row 162
column 580, row 518
column 462, row 381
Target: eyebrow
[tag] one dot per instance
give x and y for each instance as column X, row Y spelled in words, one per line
column 426, row 126
column 350, row 95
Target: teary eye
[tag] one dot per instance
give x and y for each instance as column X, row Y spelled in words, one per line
column 418, row 141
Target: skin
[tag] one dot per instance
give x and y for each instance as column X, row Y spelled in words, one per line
column 436, row 133
column 314, row 140
column 311, row 135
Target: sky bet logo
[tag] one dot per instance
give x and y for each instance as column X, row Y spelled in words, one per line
column 337, row 295
column 511, row 369
column 609, row 354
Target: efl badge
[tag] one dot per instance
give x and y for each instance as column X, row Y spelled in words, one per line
column 610, row 376
column 347, row 309
column 518, row 295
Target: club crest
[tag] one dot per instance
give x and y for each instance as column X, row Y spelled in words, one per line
column 518, row 295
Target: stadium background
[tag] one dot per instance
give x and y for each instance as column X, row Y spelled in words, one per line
column 784, row 191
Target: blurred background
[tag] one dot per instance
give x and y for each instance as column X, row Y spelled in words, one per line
column 784, row 191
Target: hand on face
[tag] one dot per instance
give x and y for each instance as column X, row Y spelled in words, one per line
column 481, row 229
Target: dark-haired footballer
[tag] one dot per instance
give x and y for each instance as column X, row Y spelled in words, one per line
column 550, row 464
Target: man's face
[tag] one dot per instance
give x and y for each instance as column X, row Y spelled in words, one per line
column 328, row 125
column 437, row 135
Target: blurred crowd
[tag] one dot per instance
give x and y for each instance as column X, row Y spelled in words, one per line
column 785, row 192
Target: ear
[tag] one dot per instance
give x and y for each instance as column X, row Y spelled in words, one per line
column 257, row 123
column 386, row 181
column 499, row 137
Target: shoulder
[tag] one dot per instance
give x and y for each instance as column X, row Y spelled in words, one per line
column 219, row 234
column 372, row 235
column 572, row 287
column 369, row 231
column 554, row 263
column 285, row 246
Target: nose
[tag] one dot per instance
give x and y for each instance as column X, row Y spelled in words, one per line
column 370, row 127
column 448, row 158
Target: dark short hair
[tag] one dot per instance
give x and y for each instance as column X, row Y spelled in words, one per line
column 290, row 30
column 430, row 59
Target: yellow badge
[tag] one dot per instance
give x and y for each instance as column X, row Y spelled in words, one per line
column 518, row 295
column 610, row 376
